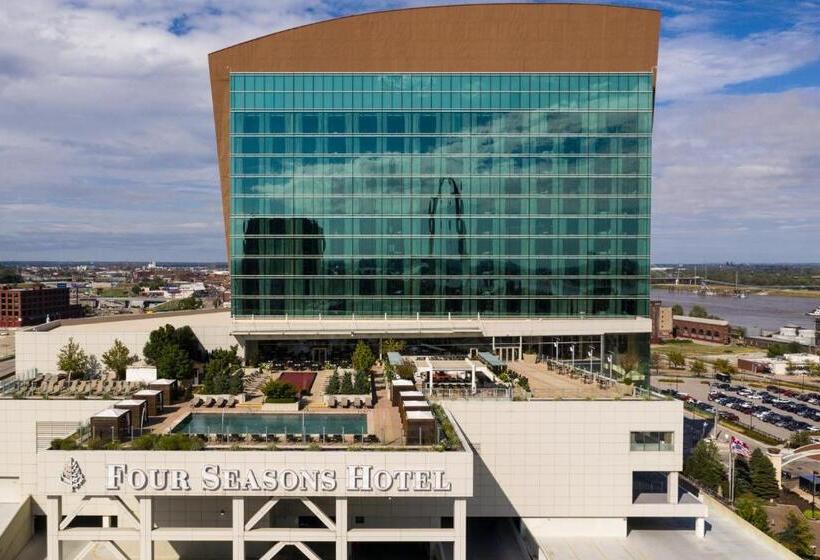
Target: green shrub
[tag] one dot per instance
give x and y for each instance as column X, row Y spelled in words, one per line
column 279, row 391
column 451, row 440
column 95, row 443
column 143, row 442
column 67, row 444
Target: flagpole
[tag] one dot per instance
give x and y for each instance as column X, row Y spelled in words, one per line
column 732, row 478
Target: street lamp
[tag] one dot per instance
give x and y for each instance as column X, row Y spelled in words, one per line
column 813, row 486
column 609, row 361
column 572, row 351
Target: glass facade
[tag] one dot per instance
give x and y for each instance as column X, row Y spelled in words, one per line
column 405, row 194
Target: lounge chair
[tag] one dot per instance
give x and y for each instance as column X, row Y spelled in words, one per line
column 371, row 438
column 258, row 438
column 357, row 402
column 221, row 402
column 231, row 402
column 196, row 402
column 210, row 402
column 330, row 401
column 344, row 401
column 368, row 401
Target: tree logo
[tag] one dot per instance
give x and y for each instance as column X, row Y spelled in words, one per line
column 72, row 475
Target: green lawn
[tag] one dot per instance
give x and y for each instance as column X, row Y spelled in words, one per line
column 693, row 349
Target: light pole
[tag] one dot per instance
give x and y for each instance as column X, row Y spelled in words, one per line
column 589, row 355
column 609, row 361
column 813, row 486
column 572, row 351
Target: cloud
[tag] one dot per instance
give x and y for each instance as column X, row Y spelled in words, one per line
column 735, row 177
column 699, row 63
column 107, row 142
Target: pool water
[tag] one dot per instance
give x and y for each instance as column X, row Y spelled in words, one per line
column 309, row 423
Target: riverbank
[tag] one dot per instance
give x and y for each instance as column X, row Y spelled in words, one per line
column 729, row 291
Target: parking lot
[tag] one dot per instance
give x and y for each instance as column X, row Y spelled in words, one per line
column 773, row 410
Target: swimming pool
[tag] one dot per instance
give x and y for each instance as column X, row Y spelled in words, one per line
column 308, row 423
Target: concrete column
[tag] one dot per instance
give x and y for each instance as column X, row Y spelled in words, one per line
column 146, row 527
column 520, row 347
column 460, row 526
column 341, row 529
column 238, row 521
column 106, row 521
column 672, row 487
column 472, row 381
column 700, row 527
column 53, row 516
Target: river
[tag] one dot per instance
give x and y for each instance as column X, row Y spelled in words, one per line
column 753, row 312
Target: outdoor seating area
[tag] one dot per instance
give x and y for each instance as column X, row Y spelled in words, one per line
column 58, row 386
column 228, row 401
column 296, row 440
column 549, row 380
column 349, row 401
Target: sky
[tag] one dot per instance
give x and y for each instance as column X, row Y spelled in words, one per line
column 107, row 147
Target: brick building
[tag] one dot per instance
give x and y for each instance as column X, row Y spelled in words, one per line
column 708, row 330
column 21, row 307
column 661, row 321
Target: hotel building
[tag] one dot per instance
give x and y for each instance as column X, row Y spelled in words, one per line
column 471, row 180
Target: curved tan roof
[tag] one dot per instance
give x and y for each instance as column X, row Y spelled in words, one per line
column 464, row 38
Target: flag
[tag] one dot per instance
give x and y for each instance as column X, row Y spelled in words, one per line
column 739, row 447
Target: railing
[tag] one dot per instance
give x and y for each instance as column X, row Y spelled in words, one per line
column 486, row 393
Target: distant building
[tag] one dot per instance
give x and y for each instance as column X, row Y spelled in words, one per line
column 21, row 307
column 779, row 365
column 788, row 334
column 661, row 321
column 708, row 330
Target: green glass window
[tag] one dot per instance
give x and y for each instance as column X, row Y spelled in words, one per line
column 519, row 194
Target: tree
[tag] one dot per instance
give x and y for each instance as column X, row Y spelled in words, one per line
column 750, row 508
column 655, row 361
column 223, row 372
column 361, row 384
column 135, row 290
column 406, row 370
column 743, row 476
column 9, row 276
column 188, row 303
column 363, row 358
column 698, row 311
column 775, row 350
column 797, row 536
column 334, row 384
column 764, row 478
column 677, row 309
column 118, row 358
column 722, row 365
column 72, row 360
column 347, row 384
column 174, row 363
column 393, row 345
column 799, row 439
column 628, row 362
column 676, row 359
column 698, row 367
column 705, row 466
column 162, row 339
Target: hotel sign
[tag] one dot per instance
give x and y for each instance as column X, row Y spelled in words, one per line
column 216, row 478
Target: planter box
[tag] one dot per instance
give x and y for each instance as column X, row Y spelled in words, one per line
column 280, row 407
